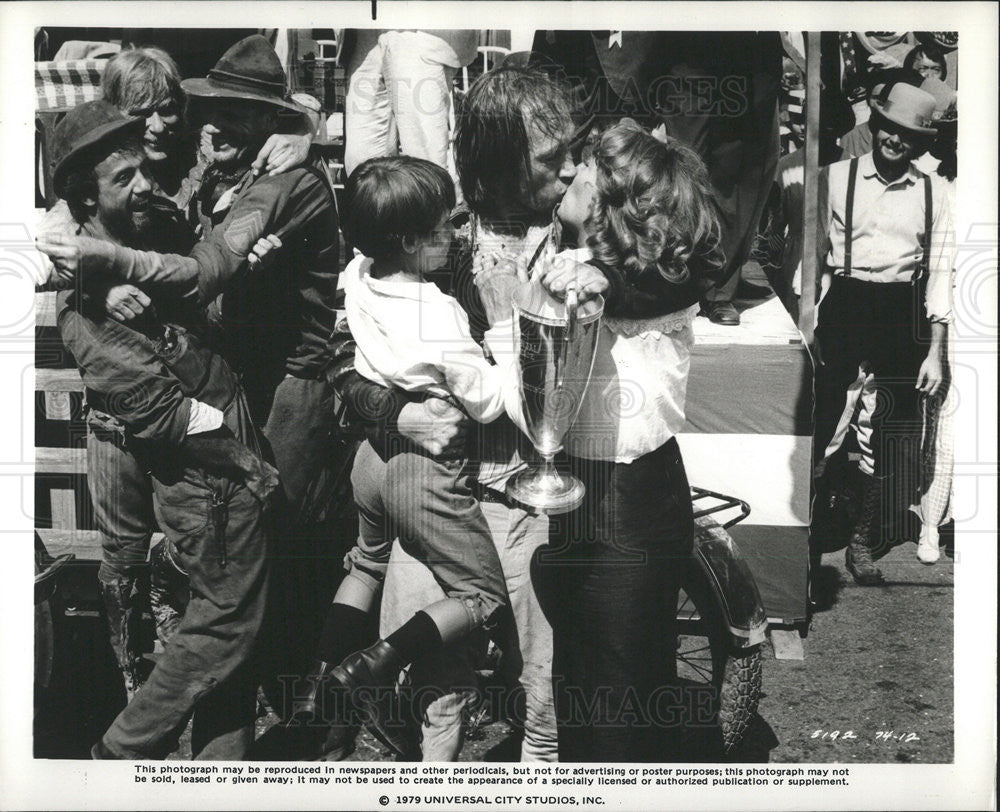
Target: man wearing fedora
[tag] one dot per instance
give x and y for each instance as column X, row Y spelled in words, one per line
column 277, row 317
column 167, row 404
column 886, row 299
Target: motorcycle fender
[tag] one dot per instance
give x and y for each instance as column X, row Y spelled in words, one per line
column 733, row 586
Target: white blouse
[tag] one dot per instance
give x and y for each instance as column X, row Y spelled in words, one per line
column 636, row 396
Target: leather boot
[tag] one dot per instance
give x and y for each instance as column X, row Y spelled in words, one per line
column 101, row 753
column 168, row 591
column 370, row 677
column 321, row 727
column 124, row 614
column 858, row 557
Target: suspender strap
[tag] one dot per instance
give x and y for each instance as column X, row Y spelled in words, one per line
column 925, row 263
column 852, row 180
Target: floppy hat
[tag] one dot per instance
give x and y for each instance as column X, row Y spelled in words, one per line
column 908, row 106
column 83, row 129
column 250, row 70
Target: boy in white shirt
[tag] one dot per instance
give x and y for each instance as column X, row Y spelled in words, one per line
column 413, row 336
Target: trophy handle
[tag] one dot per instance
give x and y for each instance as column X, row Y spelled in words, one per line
column 569, row 336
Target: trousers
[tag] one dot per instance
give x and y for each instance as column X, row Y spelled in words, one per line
column 208, row 669
column 428, row 504
column 399, row 100
column 877, row 326
column 448, row 681
column 740, row 151
column 611, row 576
column 299, row 439
column 122, row 494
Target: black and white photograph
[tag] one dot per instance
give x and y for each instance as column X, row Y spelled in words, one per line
column 543, row 414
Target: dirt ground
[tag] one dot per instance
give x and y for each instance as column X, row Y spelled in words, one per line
column 875, row 684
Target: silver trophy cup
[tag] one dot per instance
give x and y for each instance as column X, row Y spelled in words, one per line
column 557, row 346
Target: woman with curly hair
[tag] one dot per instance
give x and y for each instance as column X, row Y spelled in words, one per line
column 647, row 212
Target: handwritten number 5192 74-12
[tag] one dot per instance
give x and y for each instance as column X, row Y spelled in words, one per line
column 850, row 735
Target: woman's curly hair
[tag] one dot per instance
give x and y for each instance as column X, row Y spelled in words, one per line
column 654, row 207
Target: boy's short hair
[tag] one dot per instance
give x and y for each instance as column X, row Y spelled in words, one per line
column 388, row 199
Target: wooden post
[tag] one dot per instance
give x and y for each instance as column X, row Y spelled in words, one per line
column 810, row 216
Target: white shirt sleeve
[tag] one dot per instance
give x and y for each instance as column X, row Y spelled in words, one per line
column 478, row 386
column 203, row 418
column 503, row 342
column 941, row 267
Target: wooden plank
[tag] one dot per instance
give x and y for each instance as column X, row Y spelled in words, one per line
column 787, row 644
column 58, row 380
column 63, row 508
column 57, row 406
column 84, row 544
column 45, row 309
column 60, row 460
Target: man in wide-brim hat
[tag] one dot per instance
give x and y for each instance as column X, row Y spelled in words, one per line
column 187, row 440
column 277, row 317
column 888, row 304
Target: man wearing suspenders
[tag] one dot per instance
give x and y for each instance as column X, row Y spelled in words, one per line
column 888, row 301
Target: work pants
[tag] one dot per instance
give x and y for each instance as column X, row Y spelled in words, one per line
column 881, row 327
column 208, row 668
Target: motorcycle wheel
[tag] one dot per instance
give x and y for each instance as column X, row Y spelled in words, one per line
column 729, row 678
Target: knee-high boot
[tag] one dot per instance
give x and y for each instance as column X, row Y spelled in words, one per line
column 168, row 591
column 123, row 608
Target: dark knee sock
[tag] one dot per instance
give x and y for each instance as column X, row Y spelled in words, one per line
column 345, row 630
column 418, row 637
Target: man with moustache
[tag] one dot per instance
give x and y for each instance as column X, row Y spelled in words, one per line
column 276, row 318
column 165, row 403
column 887, row 297
column 94, row 203
column 514, row 134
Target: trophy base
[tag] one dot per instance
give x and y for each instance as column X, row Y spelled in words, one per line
column 548, row 492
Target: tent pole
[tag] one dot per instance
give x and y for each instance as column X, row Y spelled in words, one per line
column 810, row 216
